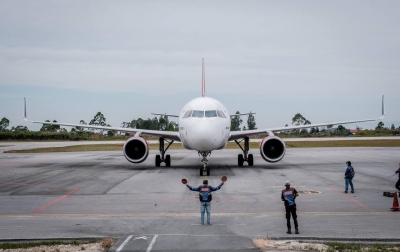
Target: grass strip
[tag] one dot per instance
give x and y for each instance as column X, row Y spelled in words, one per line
column 337, row 246
column 353, row 143
column 24, row 245
column 266, row 244
column 230, row 145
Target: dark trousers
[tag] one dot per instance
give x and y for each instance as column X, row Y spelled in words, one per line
column 398, row 184
column 291, row 210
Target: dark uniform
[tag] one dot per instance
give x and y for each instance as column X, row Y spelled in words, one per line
column 288, row 196
column 398, row 181
column 348, row 178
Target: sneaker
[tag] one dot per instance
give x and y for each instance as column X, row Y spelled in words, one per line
column 345, row 191
column 289, row 231
column 297, row 231
column 352, row 191
column 209, row 223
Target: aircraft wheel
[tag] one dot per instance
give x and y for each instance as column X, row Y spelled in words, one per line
column 208, row 171
column 250, row 160
column 201, row 171
column 240, row 160
column 158, row 160
column 168, row 161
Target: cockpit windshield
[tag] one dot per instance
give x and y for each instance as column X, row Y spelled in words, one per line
column 221, row 114
column 202, row 113
column 198, row 113
column 187, row 114
column 211, row 113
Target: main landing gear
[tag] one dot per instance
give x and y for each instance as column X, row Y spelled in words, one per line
column 205, row 170
column 160, row 158
column 245, row 157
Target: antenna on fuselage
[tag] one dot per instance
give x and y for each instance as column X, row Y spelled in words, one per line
column 203, row 80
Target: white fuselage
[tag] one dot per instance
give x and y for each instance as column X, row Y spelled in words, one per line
column 204, row 125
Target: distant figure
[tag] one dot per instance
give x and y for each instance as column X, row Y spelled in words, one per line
column 398, row 181
column 348, row 177
column 289, row 194
column 205, row 198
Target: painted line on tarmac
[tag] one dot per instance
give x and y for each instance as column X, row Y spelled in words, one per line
column 124, row 243
column 167, row 214
column 212, row 224
column 54, row 201
column 152, row 243
column 33, row 185
column 354, row 200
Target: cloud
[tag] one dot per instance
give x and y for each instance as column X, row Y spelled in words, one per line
column 333, row 59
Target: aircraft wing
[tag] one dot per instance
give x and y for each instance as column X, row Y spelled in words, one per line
column 240, row 134
column 173, row 135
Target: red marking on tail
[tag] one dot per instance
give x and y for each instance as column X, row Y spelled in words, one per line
column 203, row 80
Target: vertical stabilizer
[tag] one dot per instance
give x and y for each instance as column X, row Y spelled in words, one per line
column 203, row 80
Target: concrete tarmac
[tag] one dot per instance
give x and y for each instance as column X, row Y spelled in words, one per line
column 100, row 194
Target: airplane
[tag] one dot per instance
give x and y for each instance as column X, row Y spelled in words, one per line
column 204, row 126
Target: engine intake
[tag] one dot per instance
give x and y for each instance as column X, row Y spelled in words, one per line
column 272, row 149
column 136, row 149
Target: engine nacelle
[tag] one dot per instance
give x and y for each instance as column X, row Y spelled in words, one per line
column 136, row 149
column 272, row 149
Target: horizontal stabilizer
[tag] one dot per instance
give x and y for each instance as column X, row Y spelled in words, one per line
column 242, row 114
column 169, row 115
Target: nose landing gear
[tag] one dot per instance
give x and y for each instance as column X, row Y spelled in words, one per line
column 205, row 170
column 160, row 158
column 245, row 157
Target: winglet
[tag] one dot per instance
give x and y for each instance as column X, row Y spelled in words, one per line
column 203, row 80
column 383, row 108
column 25, row 109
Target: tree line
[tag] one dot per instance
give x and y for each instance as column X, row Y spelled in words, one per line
column 48, row 131
column 340, row 130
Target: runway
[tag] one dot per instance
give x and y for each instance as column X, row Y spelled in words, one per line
column 100, row 194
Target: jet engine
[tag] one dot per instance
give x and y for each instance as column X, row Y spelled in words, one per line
column 136, row 149
column 272, row 149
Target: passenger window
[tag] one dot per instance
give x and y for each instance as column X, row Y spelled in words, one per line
column 187, row 114
column 211, row 113
column 198, row 113
column 221, row 114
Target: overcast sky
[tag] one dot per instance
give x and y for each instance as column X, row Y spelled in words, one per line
column 328, row 60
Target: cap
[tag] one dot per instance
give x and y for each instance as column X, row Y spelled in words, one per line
column 205, row 182
column 287, row 183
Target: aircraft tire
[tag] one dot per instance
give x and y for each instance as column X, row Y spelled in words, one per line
column 167, row 160
column 201, row 171
column 208, row 171
column 240, row 160
column 250, row 160
column 158, row 160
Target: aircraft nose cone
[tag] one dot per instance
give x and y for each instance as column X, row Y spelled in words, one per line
column 204, row 137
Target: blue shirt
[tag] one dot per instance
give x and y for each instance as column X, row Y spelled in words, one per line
column 347, row 173
column 288, row 195
column 205, row 191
